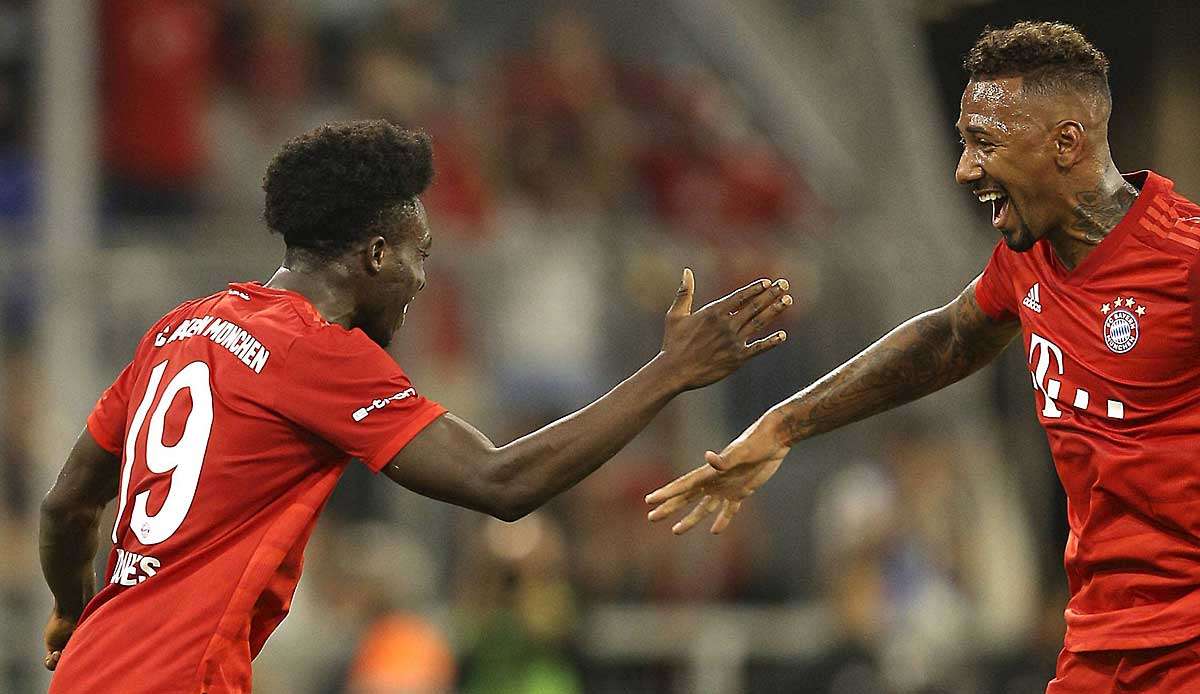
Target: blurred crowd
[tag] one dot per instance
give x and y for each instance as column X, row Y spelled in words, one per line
column 572, row 184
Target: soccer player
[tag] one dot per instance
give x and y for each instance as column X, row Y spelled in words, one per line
column 1098, row 272
column 225, row 435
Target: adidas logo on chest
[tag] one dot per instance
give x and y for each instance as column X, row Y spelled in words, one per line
column 1033, row 298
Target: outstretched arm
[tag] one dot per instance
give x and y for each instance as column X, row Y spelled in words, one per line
column 452, row 461
column 68, row 539
column 924, row 354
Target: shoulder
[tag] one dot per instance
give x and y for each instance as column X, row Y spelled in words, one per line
column 331, row 344
column 1167, row 219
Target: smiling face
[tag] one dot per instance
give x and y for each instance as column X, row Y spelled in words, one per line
column 397, row 260
column 1009, row 159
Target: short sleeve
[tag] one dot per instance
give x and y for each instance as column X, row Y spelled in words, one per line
column 344, row 388
column 106, row 423
column 993, row 288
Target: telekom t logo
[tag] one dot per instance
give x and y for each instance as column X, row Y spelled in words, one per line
column 1048, row 352
column 1049, row 387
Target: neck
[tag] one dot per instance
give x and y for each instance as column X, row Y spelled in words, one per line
column 328, row 292
column 1095, row 212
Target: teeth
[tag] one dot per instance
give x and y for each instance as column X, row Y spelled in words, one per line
column 989, row 197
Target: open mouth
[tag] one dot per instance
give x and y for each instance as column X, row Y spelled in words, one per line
column 999, row 203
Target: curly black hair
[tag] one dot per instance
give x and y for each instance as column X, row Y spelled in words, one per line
column 1052, row 57
column 332, row 185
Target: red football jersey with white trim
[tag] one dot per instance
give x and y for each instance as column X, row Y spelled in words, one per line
column 234, row 421
column 1112, row 349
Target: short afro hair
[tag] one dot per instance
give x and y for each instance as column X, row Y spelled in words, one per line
column 1052, row 57
column 331, row 186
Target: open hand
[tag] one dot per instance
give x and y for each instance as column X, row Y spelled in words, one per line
column 725, row 480
column 709, row 344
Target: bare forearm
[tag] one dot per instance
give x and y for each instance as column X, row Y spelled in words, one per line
column 453, row 461
column 70, row 516
column 67, row 545
column 538, row 466
column 922, row 355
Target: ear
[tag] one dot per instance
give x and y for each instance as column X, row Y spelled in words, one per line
column 377, row 250
column 1070, row 142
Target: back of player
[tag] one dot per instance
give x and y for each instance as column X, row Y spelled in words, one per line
column 234, row 422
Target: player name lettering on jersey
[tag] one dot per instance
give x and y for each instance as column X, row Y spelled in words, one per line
column 228, row 334
column 133, row 568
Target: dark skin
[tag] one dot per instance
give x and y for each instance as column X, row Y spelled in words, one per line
column 68, row 539
column 369, row 286
column 1048, row 156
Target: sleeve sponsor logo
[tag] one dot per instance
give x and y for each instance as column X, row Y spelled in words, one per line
column 380, row 403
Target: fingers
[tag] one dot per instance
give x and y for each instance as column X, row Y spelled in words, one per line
column 51, row 660
column 717, row 461
column 691, row 481
column 729, row 509
column 682, row 305
column 766, row 316
column 736, row 299
column 706, row 506
column 670, row 506
column 769, row 342
column 762, row 308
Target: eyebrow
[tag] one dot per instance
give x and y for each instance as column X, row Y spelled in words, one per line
column 973, row 129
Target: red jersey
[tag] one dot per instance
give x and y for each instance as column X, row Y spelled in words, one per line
column 234, row 421
column 1113, row 349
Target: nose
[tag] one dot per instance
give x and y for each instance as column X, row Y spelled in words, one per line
column 968, row 169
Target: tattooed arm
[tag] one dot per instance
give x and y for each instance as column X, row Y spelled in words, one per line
column 922, row 355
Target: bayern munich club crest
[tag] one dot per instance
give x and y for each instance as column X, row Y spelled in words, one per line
column 1121, row 328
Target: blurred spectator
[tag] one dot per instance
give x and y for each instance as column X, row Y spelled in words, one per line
column 707, row 170
column 514, row 595
column 423, row 32
column 16, row 163
column 16, row 437
column 266, row 97
column 901, row 544
column 567, row 138
column 551, row 281
column 619, row 557
column 368, row 588
column 158, row 71
column 402, row 654
column 386, row 83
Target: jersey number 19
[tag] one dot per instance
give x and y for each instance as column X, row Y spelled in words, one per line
column 183, row 460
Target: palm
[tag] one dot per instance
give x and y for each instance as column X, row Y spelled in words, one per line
column 714, row 491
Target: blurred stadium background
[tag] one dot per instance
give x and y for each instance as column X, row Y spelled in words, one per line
column 586, row 150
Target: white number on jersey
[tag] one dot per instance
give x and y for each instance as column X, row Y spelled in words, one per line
column 183, row 460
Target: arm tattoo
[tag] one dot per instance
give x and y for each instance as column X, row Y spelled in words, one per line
column 922, row 355
column 1096, row 213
